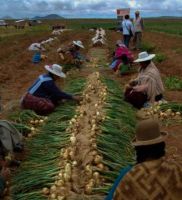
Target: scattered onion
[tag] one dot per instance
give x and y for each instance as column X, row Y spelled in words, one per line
column 45, row 191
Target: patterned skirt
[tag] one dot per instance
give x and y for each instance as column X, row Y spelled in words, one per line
column 41, row 106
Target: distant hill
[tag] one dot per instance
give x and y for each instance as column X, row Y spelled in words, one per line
column 6, row 17
column 51, row 16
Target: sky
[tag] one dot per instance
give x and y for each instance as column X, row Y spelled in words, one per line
column 88, row 8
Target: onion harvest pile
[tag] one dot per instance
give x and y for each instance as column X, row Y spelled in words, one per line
column 117, row 132
column 40, row 167
column 164, row 111
column 80, row 162
column 78, row 153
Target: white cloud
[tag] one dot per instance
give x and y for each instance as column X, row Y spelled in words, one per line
column 81, row 8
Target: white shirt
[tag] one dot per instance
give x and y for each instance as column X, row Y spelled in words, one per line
column 127, row 26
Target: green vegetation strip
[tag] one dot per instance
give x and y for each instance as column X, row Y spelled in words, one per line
column 117, row 132
column 173, row 83
column 41, row 165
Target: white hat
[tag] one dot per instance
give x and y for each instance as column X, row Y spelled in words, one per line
column 78, row 43
column 144, row 56
column 55, row 69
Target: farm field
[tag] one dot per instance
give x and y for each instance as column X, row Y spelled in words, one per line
column 162, row 37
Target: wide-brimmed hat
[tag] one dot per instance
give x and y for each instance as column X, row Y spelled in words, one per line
column 78, row 43
column 144, row 56
column 148, row 133
column 55, row 69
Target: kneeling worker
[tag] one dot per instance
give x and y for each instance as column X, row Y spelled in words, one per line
column 43, row 96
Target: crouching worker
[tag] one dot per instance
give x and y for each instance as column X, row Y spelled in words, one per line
column 148, row 87
column 154, row 176
column 10, row 142
column 37, row 48
column 73, row 50
column 43, row 96
column 123, row 58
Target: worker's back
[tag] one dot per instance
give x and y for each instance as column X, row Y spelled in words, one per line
column 152, row 180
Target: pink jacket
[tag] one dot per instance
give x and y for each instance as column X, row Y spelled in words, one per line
column 124, row 50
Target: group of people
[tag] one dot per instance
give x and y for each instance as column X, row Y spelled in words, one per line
column 134, row 30
column 153, row 176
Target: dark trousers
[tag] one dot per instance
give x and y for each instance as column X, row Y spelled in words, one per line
column 126, row 40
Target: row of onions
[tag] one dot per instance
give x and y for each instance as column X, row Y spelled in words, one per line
column 164, row 111
column 117, row 132
column 43, row 151
column 80, row 162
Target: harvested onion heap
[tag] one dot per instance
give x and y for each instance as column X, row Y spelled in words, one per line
column 34, row 124
column 80, row 163
column 156, row 112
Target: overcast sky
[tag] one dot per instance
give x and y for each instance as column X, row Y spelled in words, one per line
column 88, row 8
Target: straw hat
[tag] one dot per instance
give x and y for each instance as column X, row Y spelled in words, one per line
column 55, row 69
column 148, row 133
column 78, row 43
column 144, row 56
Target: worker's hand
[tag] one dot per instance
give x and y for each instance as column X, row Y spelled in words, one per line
column 5, row 173
column 77, row 98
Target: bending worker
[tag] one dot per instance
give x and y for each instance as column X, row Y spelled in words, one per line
column 43, row 96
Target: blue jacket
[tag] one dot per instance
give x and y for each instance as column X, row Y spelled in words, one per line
column 45, row 87
column 37, row 57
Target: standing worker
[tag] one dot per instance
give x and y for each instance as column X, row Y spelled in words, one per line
column 128, row 30
column 138, row 28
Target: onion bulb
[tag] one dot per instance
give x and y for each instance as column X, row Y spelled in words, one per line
column 67, row 177
column 61, row 175
column 45, row 118
column 100, row 166
column 53, row 188
column 74, row 163
column 73, row 140
column 91, row 182
column 97, row 159
column 61, row 198
column 36, row 121
column 88, row 189
column 68, row 168
column 41, row 121
column 97, row 113
column 32, row 129
column 60, row 183
column 178, row 113
column 45, row 191
column 96, row 175
column 53, row 196
column 31, row 121
column 94, row 153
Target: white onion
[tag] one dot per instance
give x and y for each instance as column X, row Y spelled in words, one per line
column 60, row 183
column 53, row 196
column 74, row 163
column 53, row 188
column 73, row 140
column 67, row 177
column 97, row 159
column 96, row 175
column 88, row 189
column 45, row 191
